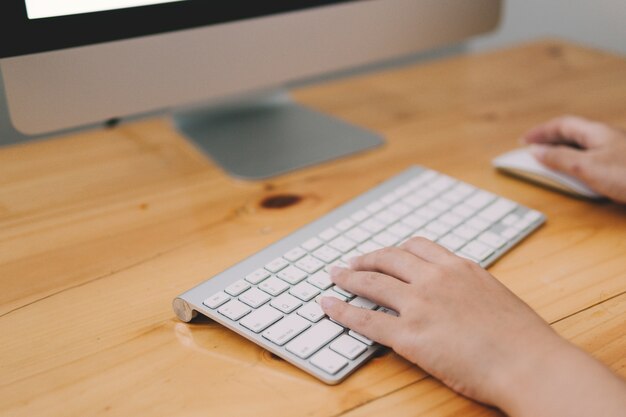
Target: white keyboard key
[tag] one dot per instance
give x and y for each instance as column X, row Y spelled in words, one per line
column 344, row 225
column 372, row 225
column 309, row 264
column 237, row 287
column 480, row 199
column 386, row 239
column 464, row 210
column 415, row 201
column 286, row 303
column 369, row 246
column 402, row 190
column 414, row 221
column 452, row 196
column 276, row 265
column 400, row 208
column 427, row 193
column 451, row 219
column 292, row 275
column 329, row 361
column 511, row 219
column 533, row 215
column 234, row 310
column 374, row 207
column 329, row 234
column 400, row 230
column 360, row 215
column 216, row 300
column 257, row 276
column 262, row 318
column 510, row 232
column 452, row 242
column 352, row 254
column 286, row 329
column 466, row 232
column 331, row 293
column 312, row 311
column 254, row 297
column 360, row 337
column 427, row 213
column 386, row 217
column 338, row 263
column 463, row 189
column 294, row 254
column 312, row 244
column 327, row 254
column 528, row 219
column 314, row 338
column 321, row 280
column 497, row 210
column 348, row 346
column 363, row 303
column 304, row 291
column 438, row 228
column 343, row 292
column 477, row 250
column 439, row 205
column 442, row 183
column 389, row 198
column 358, row 234
column 492, row 239
column 274, row 286
column 478, row 223
column 343, row 244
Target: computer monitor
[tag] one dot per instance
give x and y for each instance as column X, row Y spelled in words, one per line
column 215, row 65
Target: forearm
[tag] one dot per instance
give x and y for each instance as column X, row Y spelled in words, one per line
column 564, row 381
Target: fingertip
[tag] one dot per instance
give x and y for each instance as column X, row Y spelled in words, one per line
column 538, row 151
column 335, row 271
column 353, row 262
column 328, row 304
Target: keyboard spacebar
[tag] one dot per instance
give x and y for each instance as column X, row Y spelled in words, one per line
column 313, row 339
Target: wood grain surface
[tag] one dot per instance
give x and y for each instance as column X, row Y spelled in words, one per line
column 99, row 231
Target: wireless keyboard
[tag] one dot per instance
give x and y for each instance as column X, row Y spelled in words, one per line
column 271, row 298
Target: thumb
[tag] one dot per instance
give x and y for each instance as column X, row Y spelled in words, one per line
column 561, row 158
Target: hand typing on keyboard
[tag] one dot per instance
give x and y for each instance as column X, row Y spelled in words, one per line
column 460, row 324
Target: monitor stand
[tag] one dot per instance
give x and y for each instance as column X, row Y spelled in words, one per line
column 269, row 135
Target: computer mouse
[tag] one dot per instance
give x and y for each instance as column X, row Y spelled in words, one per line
column 522, row 164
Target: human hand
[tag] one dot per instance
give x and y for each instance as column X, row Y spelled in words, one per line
column 599, row 159
column 455, row 320
column 461, row 325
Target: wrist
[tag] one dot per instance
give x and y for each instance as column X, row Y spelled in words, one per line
column 559, row 379
column 524, row 378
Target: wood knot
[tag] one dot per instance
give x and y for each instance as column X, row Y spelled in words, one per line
column 555, row 51
column 280, row 201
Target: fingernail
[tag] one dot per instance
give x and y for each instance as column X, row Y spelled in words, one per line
column 327, row 303
column 538, row 151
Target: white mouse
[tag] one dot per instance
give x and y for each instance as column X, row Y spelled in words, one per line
column 522, row 164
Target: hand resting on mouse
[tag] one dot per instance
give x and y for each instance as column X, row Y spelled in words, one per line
column 598, row 157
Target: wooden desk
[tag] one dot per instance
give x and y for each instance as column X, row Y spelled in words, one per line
column 100, row 231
